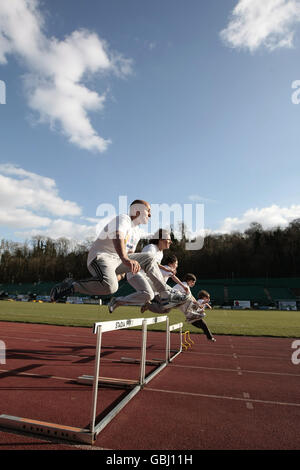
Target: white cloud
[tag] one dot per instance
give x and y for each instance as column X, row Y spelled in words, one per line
column 60, row 228
column 57, row 70
column 30, row 200
column 21, row 188
column 30, row 205
column 16, row 218
column 268, row 23
column 268, row 217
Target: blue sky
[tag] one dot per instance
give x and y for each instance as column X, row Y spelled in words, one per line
column 170, row 101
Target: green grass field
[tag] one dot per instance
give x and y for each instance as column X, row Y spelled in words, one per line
column 223, row 322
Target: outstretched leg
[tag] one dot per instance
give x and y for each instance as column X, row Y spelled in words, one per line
column 201, row 324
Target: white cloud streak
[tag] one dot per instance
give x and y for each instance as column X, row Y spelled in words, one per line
column 269, row 217
column 30, row 205
column 61, row 228
column 56, row 70
column 28, row 200
column 262, row 23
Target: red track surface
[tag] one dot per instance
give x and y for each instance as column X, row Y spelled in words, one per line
column 237, row 393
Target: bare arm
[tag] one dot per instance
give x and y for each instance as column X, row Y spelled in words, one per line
column 119, row 246
column 178, row 281
column 167, row 269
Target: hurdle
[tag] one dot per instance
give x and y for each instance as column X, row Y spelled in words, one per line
column 178, row 326
column 188, row 342
column 170, row 357
column 89, row 433
column 96, row 380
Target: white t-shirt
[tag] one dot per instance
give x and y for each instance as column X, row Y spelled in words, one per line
column 104, row 243
column 151, row 248
column 166, row 274
column 180, row 288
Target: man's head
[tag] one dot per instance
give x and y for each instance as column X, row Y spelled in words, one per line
column 140, row 211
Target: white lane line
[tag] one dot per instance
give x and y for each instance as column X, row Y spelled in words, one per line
column 234, row 370
column 240, row 356
column 31, row 374
column 222, row 397
column 34, row 340
column 236, row 355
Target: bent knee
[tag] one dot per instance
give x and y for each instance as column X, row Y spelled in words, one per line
column 148, row 261
column 148, row 296
column 110, row 288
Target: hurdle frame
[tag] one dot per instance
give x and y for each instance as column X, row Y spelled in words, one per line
column 99, row 329
column 177, row 326
column 89, row 434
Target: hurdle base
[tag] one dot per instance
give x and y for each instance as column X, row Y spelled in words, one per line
column 176, row 353
column 108, row 382
column 47, row 430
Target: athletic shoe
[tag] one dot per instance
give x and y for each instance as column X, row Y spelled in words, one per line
column 112, row 304
column 213, row 339
column 145, row 307
column 63, row 289
column 172, row 299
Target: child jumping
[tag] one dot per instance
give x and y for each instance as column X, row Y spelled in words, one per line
column 194, row 309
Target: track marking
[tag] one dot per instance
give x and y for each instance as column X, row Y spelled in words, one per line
column 34, row 340
column 238, row 368
column 222, row 397
column 241, row 356
column 249, row 404
column 31, row 374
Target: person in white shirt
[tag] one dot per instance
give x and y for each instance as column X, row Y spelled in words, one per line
column 194, row 310
column 145, row 290
column 112, row 254
column 168, row 271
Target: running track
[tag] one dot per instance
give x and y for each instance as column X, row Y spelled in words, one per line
column 237, row 393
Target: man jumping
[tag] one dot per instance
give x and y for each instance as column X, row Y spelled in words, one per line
column 113, row 253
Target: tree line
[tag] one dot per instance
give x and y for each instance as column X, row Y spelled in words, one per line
column 257, row 252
